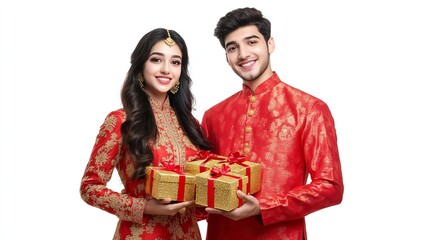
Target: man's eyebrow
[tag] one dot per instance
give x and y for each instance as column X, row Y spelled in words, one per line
column 246, row 38
column 229, row 43
column 250, row 37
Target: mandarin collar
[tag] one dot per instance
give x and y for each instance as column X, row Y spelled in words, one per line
column 158, row 106
column 265, row 86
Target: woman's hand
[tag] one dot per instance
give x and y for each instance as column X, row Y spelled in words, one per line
column 165, row 207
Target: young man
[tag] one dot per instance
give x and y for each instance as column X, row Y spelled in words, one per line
column 289, row 132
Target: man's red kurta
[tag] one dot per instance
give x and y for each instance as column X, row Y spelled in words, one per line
column 291, row 134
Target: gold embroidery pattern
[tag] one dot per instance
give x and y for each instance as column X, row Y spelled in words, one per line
column 171, row 137
column 108, row 154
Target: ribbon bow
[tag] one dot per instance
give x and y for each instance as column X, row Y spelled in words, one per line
column 217, row 172
column 236, row 157
column 170, row 166
column 205, row 155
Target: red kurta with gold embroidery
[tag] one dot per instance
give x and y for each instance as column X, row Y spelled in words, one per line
column 291, row 134
column 109, row 153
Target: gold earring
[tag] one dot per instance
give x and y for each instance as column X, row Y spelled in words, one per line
column 175, row 88
column 141, row 81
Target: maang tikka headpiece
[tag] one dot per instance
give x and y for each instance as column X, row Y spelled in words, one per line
column 169, row 41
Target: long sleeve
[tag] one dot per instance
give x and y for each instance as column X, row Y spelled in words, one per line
column 106, row 154
column 109, row 154
column 321, row 162
column 292, row 135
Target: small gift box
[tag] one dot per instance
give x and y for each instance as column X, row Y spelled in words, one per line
column 217, row 188
column 203, row 161
column 239, row 165
column 170, row 182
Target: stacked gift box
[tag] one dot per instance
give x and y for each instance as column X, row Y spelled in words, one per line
column 170, row 181
column 239, row 165
column 209, row 179
column 203, row 161
column 217, row 188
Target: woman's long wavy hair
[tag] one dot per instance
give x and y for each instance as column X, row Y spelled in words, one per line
column 139, row 128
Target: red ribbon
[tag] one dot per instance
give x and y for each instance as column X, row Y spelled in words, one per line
column 170, row 166
column 215, row 173
column 206, row 156
column 237, row 158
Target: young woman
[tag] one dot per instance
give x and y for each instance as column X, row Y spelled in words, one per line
column 155, row 125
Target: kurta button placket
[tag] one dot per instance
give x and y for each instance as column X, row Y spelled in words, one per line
column 246, row 150
column 252, row 99
column 248, row 129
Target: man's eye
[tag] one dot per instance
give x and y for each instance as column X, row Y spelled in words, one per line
column 230, row 49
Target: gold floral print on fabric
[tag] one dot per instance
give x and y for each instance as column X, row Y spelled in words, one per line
column 290, row 140
column 108, row 153
column 172, row 224
column 170, row 134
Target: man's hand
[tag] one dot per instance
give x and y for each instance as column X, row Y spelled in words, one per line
column 249, row 208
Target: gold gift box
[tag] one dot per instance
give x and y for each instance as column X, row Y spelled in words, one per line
column 224, row 192
column 254, row 184
column 201, row 165
column 165, row 184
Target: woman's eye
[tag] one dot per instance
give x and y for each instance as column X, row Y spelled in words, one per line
column 155, row 60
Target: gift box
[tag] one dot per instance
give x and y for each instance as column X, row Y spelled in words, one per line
column 202, row 161
column 217, row 188
column 162, row 182
column 239, row 165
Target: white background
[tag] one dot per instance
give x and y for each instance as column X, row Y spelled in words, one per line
column 63, row 64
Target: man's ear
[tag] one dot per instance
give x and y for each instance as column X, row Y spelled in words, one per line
column 271, row 45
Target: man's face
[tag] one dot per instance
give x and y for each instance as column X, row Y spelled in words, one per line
column 248, row 54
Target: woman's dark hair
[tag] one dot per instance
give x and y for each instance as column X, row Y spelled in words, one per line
column 139, row 128
column 239, row 18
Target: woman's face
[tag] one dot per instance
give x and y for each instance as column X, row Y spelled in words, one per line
column 162, row 70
